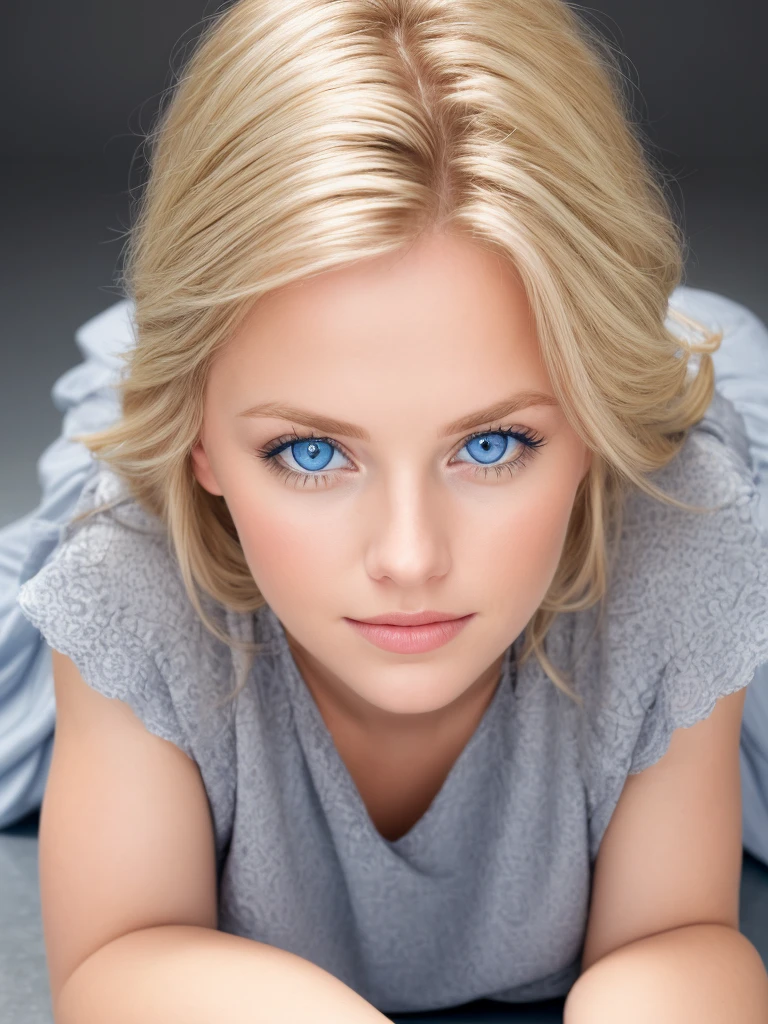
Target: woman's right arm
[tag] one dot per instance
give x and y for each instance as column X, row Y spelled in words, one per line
column 128, row 888
column 183, row 974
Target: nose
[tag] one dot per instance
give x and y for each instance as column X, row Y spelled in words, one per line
column 407, row 534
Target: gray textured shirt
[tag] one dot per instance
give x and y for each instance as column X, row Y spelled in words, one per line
column 487, row 895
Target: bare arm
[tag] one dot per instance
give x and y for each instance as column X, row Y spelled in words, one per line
column 125, row 849
column 709, row 973
column 183, row 974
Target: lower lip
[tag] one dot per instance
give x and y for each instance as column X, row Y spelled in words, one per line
column 411, row 639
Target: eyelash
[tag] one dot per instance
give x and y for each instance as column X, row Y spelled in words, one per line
column 270, row 452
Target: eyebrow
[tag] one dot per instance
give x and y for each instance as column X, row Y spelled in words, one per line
column 329, row 425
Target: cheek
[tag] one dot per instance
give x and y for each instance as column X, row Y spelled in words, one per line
column 523, row 546
column 287, row 554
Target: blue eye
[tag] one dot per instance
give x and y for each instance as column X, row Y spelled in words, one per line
column 313, row 454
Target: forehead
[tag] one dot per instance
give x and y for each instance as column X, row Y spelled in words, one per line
column 443, row 313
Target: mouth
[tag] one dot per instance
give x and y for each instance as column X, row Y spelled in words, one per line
column 415, row 639
column 410, row 618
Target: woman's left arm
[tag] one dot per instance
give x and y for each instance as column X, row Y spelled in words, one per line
column 662, row 943
column 700, row 973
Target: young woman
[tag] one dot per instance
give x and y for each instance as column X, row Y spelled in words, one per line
column 406, row 342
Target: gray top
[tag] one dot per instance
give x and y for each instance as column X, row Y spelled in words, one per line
column 487, row 895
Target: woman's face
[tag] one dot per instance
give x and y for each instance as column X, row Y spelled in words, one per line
column 405, row 510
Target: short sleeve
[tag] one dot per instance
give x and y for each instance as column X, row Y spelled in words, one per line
column 686, row 614
column 99, row 600
column 716, row 585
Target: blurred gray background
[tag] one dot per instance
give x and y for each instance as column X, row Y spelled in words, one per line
column 81, row 82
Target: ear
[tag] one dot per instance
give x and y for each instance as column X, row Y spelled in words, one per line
column 202, row 469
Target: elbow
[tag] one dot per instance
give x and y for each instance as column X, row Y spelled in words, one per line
column 708, row 973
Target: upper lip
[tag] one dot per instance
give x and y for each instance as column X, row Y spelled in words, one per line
column 411, row 618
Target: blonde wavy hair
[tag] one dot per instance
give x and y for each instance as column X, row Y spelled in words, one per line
column 304, row 135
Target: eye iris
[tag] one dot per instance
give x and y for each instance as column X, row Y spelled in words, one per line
column 313, row 450
column 492, row 447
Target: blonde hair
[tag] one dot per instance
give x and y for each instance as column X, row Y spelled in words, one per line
column 304, row 135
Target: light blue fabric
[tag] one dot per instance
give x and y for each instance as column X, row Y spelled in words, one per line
column 86, row 397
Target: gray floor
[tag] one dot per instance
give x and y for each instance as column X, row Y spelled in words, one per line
column 60, row 249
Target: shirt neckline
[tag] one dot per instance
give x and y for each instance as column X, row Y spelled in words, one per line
column 313, row 723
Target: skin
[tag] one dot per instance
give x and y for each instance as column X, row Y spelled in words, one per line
column 400, row 346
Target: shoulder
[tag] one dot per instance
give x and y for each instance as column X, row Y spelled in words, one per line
column 685, row 617
column 112, row 599
column 664, row 550
column 116, row 567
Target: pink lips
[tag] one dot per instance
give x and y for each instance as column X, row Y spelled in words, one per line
column 411, row 639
